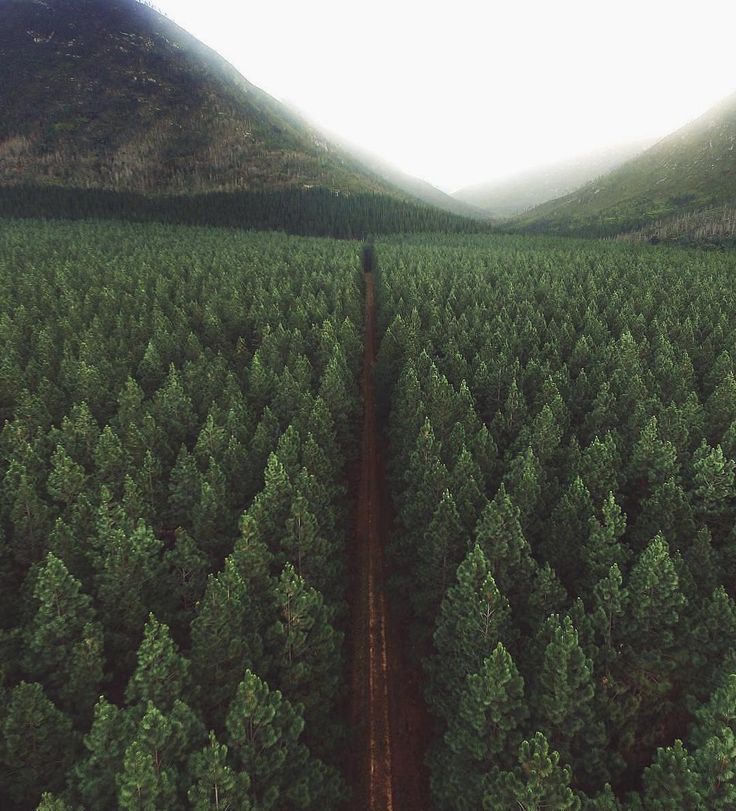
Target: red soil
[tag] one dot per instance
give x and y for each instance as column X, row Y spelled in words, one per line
column 389, row 718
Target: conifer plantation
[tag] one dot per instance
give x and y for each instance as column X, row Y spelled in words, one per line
column 178, row 409
column 562, row 425
column 181, row 412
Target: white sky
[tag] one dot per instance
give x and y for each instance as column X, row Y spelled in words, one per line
column 459, row 92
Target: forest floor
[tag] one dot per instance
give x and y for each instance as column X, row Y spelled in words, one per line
column 389, row 717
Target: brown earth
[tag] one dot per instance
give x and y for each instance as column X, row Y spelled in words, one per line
column 390, row 722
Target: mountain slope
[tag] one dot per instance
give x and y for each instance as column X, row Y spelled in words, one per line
column 691, row 170
column 111, row 94
column 510, row 196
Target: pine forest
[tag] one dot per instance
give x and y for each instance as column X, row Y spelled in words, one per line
column 179, row 466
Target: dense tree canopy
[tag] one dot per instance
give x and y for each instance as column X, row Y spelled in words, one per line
column 586, row 393
column 178, row 408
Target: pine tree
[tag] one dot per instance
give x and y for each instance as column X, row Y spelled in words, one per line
column 307, row 654
column 563, row 702
column 112, row 461
column 672, row 781
column 263, row 731
column 254, row 562
column 473, row 619
column 151, row 369
column 485, row 454
column 547, row 596
column 185, row 568
column 51, row 803
column 506, row 549
column 322, row 428
column 211, row 441
column 29, row 515
column 713, row 637
column 161, row 674
column 150, row 481
column 105, row 744
column 224, row 641
column 211, row 519
column 79, row 434
column 600, row 464
column 272, row 506
column 66, row 479
column 544, row 435
column 148, row 778
column 570, row 525
column 601, row 416
column 513, row 415
column 720, row 409
column 714, row 487
column 654, row 646
column 537, row 782
column 607, row 617
column 714, row 735
column 215, row 787
column 425, row 480
column 667, row 510
column 303, row 545
column 173, row 411
column 524, row 483
column 126, row 584
column 602, row 547
column 653, row 460
column 64, row 644
column 444, row 541
column 482, row 735
column 336, row 392
column 655, row 605
column 185, row 484
column 38, row 745
column 466, row 485
column 711, row 567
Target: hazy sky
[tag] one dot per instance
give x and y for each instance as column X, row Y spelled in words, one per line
column 458, row 92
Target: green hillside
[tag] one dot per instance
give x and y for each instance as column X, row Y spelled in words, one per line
column 111, row 94
column 690, row 170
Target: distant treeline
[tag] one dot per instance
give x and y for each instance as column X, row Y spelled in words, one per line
column 317, row 212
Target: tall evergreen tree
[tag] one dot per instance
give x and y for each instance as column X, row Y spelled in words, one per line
column 263, row 731
column 38, row 745
column 307, row 655
column 94, row 774
column 656, row 603
column 563, row 703
column 602, row 547
column 537, row 782
column 483, row 735
column 64, row 644
column 152, row 776
column 425, row 480
column 224, row 641
column 161, row 674
column 473, row 619
column 443, row 544
column 214, row 786
column 507, row 551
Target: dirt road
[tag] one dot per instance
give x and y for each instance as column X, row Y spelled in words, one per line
column 388, row 715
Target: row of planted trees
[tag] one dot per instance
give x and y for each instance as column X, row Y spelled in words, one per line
column 178, row 406
column 562, row 419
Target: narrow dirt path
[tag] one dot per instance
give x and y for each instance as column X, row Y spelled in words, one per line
column 370, row 664
column 389, row 719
